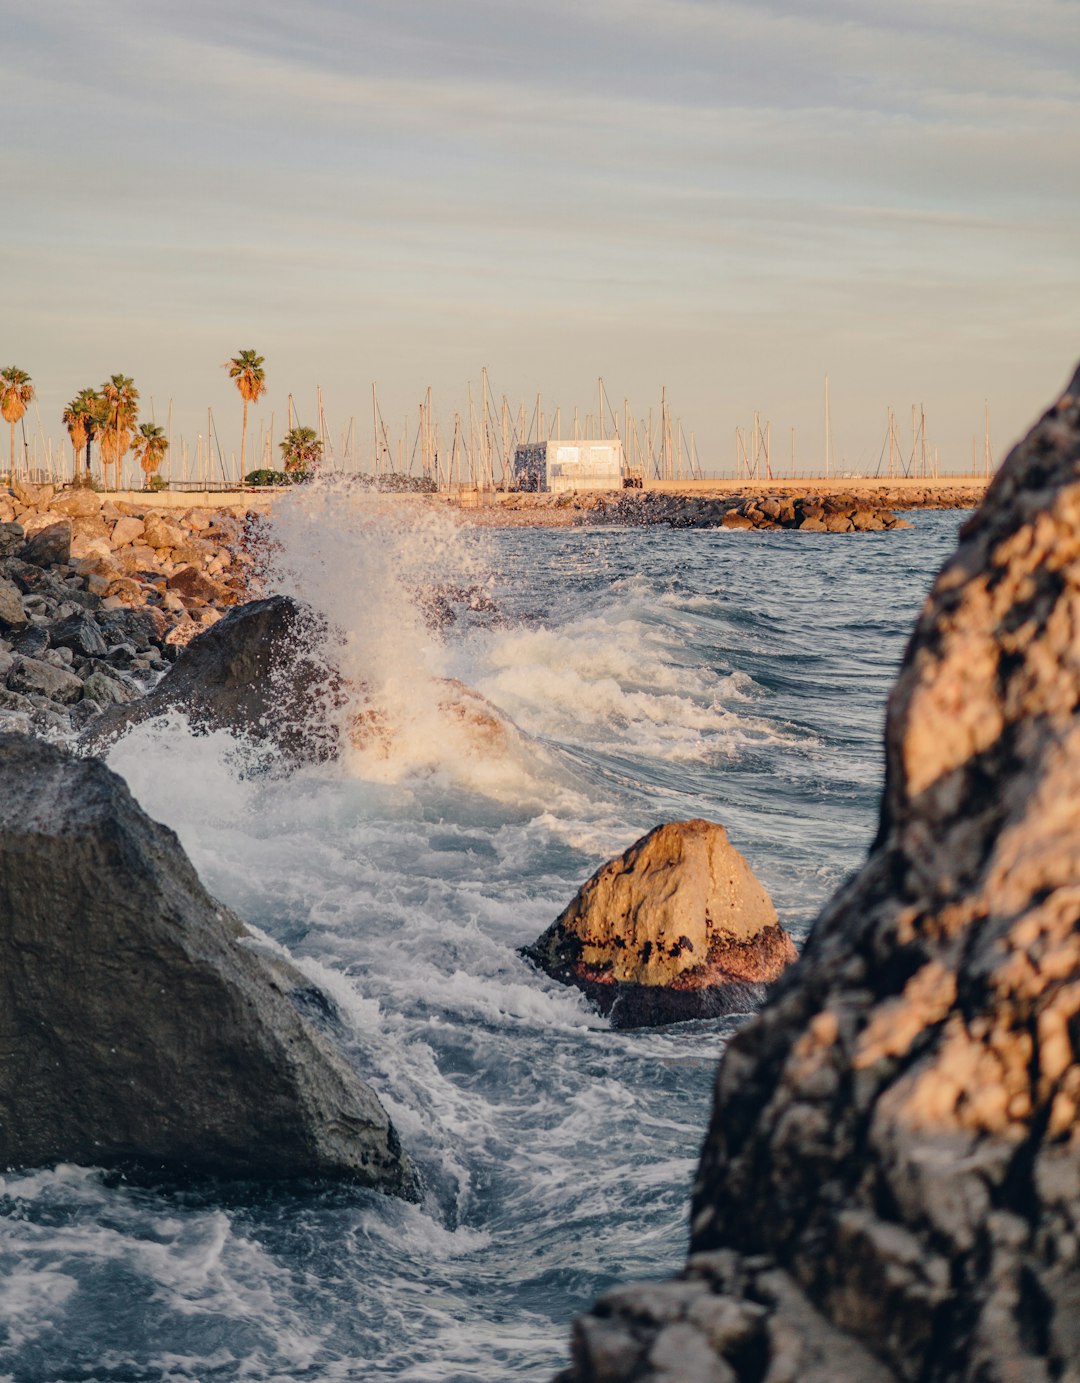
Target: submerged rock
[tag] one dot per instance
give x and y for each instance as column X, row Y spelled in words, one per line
column 677, row 927
column 141, row 1025
column 893, row 1163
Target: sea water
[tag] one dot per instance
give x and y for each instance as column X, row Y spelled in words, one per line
column 636, row 676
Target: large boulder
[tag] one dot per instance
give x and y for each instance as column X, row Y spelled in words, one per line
column 677, row 927
column 893, row 1163
column 141, row 1026
column 257, row 672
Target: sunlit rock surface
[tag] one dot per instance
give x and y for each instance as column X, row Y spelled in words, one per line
column 890, row 1187
column 677, row 927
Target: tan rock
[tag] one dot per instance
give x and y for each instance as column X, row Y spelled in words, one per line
column 679, row 912
column 127, row 530
column 158, row 532
column 76, row 503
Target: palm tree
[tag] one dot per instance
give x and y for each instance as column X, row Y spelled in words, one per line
column 121, row 410
column 16, row 392
column 83, row 418
column 301, row 450
column 150, row 447
column 247, row 369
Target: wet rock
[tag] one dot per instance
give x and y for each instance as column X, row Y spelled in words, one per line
column 257, row 672
column 191, row 582
column 897, row 1134
column 49, row 544
column 142, row 1025
column 675, row 928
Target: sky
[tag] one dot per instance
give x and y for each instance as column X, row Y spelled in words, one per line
column 732, row 200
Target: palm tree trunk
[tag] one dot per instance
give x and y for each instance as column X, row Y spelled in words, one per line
column 243, row 437
column 88, row 441
column 13, row 451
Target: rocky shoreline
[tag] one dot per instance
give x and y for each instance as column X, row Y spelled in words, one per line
column 97, row 595
column 815, row 509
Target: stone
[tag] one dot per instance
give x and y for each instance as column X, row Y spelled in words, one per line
column 158, row 532
column 48, row 545
column 143, row 1026
column 33, row 496
column 104, row 689
column 127, row 530
column 893, row 1161
column 141, row 628
column 76, row 503
column 32, row 675
column 83, row 547
column 191, row 582
column 260, row 671
column 677, row 927
column 733, row 519
column 12, row 614
column 12, row 537
column 80, row 634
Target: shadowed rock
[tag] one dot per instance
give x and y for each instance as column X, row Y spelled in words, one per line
column 254, row 673
column 675, row 928
column 893, row 1161
column 139, row 1025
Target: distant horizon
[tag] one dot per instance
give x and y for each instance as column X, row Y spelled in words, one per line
column 731, row 199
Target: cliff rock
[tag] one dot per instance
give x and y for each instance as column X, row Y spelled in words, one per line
column 893, row 1163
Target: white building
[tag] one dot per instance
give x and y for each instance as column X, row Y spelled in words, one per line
column 562, row 466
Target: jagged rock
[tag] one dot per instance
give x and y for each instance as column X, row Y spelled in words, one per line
column 141, row 1025
column 12, row 537
column 675, row 928
column 158, row 532
column 898, row 1132
column 12, row 614
column 49, row 544
column 80, row 634
column 191, row 582
column 76, row 503
column 256, row 672
column 126, row 530
column 33, row 676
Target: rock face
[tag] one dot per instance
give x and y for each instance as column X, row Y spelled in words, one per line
column 140, row 1026
column 893, row 1164
column 254, row 672
column 676, row 928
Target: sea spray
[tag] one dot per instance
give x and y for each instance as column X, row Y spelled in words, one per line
column 557, row 1154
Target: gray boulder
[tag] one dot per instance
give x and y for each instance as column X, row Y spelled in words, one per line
column 48, row 545
column 32, row 676
column 892, row 1171
column 141, row 1025
column 258, row 672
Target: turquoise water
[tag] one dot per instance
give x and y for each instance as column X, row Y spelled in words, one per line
column 643, row 675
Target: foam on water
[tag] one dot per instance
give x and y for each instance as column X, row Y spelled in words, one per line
column 641, row 676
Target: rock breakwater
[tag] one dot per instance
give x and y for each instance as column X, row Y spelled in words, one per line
column 890, row 1184
column 97, row 595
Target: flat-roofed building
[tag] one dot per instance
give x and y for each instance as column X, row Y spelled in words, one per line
column 561, row 466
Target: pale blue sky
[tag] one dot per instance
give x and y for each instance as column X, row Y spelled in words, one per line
column 729, row 198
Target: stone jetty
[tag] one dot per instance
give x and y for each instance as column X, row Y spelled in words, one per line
column 97, row 595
